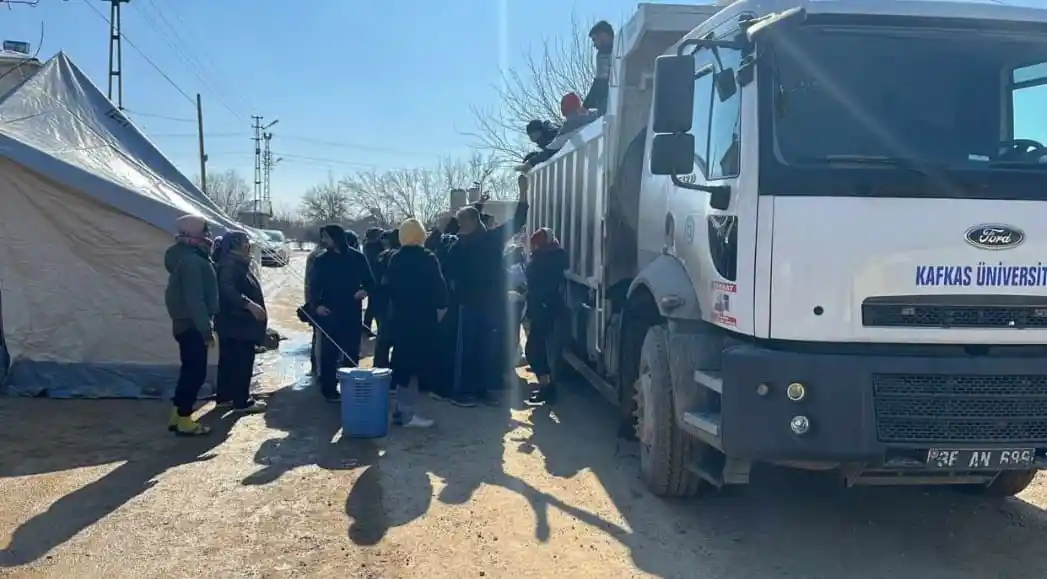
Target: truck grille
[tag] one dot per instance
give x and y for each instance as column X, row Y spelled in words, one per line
column 952, row 316
column 960, row 408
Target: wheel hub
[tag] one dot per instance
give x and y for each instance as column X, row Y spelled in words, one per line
column 644, row 421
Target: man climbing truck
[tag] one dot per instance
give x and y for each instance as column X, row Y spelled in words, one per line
column 811, row 234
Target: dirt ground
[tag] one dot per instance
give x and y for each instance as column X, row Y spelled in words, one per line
column 100, row 489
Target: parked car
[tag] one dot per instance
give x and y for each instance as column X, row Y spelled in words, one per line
column 275, row 251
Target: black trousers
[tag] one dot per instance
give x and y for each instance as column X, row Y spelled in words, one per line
column 192, row 350
column 539, row 342
column 339, row 348
column 235, row 370
column 382, row 344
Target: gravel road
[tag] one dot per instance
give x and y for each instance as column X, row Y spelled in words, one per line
column 99, row 489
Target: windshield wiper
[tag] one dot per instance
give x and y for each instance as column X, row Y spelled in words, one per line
column 874, row 160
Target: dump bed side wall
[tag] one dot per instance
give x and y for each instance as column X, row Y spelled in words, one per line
column 567, row 196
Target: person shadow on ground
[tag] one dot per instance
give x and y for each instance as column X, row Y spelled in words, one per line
column 143, row 463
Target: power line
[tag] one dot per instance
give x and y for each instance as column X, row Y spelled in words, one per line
column 181, row 48
column 134, row 46
column 187, row 30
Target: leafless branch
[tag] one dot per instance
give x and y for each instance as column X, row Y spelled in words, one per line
column 533, row 92
column 228, row 189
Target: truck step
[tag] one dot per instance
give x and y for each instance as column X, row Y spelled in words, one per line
column 705, row 424
column 709, row 379
column 720, row 471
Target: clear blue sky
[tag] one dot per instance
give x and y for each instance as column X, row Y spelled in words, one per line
column 389, row 81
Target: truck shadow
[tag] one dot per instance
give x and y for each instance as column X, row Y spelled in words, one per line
column 789, row 523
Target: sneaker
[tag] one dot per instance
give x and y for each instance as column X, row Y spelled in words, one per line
column 223, row 403
column 463, row 401
column 436, row 396
column 419, row 422
column 542, row 396
column 252, row 407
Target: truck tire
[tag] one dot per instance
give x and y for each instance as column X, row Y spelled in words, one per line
column 664, row 449
column 1007, row 484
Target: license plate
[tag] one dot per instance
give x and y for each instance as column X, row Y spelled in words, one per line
column 964, row 459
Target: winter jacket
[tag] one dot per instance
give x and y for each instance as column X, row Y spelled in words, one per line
column 336, row 277
column 416, row 289
column 236, row 285
column 476, row 265
column 545, row 278
column 192, row 289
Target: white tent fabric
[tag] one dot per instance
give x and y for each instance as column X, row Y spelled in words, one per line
column 87, row 208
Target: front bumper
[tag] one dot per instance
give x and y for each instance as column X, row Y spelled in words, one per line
column 879, row 409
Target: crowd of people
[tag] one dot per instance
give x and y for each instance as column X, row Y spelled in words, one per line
column 444, row 305
column 441, row 303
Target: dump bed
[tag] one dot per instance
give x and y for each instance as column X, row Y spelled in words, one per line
column 589, row 192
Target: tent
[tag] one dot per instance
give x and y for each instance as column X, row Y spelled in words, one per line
column 88, row 208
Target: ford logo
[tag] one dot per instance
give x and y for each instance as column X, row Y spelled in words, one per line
column 994, row 236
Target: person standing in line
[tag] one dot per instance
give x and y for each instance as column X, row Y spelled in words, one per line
column 478, row 279
column 417, row 303
column 372, row 247
column 544, row 273
column 380, row 298
column 191, row 298
column 314, row 349
column 340, row 280
column 240, row 324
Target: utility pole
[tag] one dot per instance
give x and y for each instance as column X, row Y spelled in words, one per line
column 267, row 169
column 203, row 154
column 116, row 53
column 258, row 193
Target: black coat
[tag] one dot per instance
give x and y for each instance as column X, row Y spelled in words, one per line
column 237, row 284
column 545, row 278
column 335, row 279
column 476, row 265
column 416, row 291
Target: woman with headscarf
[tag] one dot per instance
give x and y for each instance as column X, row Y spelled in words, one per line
column 191, row 298
column 417, row 302
column 339, row 281
column 544, row 275
column 240, row 324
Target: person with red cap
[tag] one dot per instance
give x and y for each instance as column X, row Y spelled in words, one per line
column 544, row 273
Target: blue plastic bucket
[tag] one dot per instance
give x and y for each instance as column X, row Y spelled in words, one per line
column 365, row 401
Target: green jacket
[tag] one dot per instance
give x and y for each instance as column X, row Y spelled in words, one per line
column 192, row 289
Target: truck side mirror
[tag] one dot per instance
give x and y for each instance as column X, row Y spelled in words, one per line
column 726, row 87
column 673, row 93
column 672, row 154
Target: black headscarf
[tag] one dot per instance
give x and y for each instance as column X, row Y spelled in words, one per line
column 337, row 234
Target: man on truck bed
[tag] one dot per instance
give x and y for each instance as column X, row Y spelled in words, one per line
column 602, row 35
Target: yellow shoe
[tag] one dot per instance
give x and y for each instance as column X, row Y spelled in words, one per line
column 172, row 423
column 189, row 427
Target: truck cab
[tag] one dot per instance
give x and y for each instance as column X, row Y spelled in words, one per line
column 805, row 233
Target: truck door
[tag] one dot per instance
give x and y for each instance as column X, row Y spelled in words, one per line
column 717, row 246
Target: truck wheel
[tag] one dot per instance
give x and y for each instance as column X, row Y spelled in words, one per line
column 1007, row 484
column 664, row 449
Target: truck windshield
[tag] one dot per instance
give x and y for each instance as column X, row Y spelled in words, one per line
column 919, row 98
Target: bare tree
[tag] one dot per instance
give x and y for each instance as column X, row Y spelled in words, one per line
column 534, row 91
column 327, row 202
column 228, row 189
column 486, row 172
column 390, row 196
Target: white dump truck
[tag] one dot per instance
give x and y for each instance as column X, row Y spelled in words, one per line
column 812, row 233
